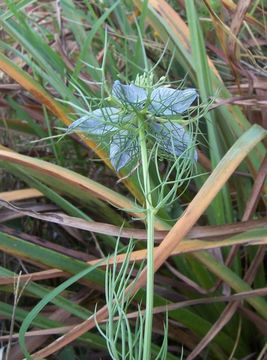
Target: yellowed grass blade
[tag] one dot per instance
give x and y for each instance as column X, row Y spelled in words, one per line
column 186, row 246
column 66, row 180
column 23, row 194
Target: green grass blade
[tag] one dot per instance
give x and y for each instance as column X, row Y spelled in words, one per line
column 39, row 307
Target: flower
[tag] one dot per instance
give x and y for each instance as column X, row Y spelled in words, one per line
column 163, row 102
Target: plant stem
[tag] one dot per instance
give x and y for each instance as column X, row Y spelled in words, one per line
column 150, row 243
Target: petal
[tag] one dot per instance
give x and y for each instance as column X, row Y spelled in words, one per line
column 129, row 94
column 98, row 122
column 167, row 101
column 122, row 150
column 173, row 139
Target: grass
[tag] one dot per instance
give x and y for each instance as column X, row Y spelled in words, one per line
column 79, row 289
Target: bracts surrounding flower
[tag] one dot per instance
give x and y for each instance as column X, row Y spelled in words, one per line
column 159, row 107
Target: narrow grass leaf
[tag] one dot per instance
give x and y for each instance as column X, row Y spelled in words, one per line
column 39, row 307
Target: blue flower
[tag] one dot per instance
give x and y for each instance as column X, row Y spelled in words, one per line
column 163, row 102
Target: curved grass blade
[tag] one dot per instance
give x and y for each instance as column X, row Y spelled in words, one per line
column 38, row 308
column 72, row 183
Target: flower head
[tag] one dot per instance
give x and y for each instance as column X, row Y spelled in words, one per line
column 161, row 103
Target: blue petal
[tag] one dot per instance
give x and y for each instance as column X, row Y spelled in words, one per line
column 173, row 139
column 167, row 101
column 98, row 122
column 129, row 94
column 122, row 150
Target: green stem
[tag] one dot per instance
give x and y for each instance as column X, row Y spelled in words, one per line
column 150, row 243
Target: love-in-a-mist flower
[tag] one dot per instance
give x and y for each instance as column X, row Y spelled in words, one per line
column 159, row 107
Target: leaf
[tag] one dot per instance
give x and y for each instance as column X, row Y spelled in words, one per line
column 98, row 122
column 129, row 94
column 21, row 194
column 122, row 149
column 167, row 101
column 173, row 139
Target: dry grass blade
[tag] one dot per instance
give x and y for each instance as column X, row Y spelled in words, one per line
column 7, row 214
column 199, row 232
column 65, row 220
column 198, row 205
column 22, row 194
column 236, row 25
column 256, row 191
column 259, row 323
column 230, row 5
column 240, row 13
column 185, row 246
column 222, row 321
column 252, row 203
column 76, row 254
column 74, row 181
